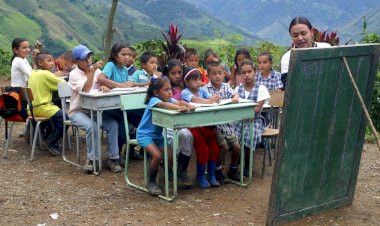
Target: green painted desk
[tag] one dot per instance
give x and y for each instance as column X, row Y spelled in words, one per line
column 203, row 116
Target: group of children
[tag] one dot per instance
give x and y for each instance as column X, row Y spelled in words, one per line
column 180, row 84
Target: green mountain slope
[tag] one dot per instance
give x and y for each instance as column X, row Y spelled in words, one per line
column 61, row 24
column 269, row 19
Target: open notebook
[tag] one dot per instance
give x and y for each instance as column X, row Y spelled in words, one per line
column 222, row 102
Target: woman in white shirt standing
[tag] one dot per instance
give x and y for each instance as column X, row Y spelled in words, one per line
column 301, row 32
column 21, row 68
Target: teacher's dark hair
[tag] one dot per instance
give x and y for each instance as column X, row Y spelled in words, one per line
column 300, row 20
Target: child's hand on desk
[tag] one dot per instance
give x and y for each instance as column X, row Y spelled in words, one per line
column 191, row 107
column 235, row 100
column 126, row 84
column 182, row 108
column 215, row 99
column 104, row 89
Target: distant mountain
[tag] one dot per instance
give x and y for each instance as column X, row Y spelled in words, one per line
column 61, row 24
column 269, row 19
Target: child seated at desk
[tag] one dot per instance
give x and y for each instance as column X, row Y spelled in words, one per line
column 174, row 71
column 267, row 76
column 83, row 79
column 149, row 65
column 63, row 64
column 249, row 89
column 150, row 136
column 191, row 59
column 43, row 83
column 204, row 137
column 131, row 60
column 115, row 75
column 225, row 134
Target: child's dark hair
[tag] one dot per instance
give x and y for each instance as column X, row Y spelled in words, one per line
column 116, row 48
column 133, row 51
column 145, row 57
column 172, row 63
column 191, row 72
column 214, row 64
column 68, row 55
column 15, row 45
column 208, row 53
column 300, row 20
column 190, row 52
column 244, row 52
column 41, row 57
column 267, row 54
column 155, row 84
column 246, row 62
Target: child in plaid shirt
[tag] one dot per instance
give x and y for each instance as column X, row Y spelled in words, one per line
column 225, row 134
column 267, row 76
column 258, row 94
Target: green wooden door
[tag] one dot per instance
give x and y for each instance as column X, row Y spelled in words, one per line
column 322, row 131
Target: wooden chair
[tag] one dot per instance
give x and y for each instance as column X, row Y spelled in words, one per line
column 64, row 92
column 269, row 135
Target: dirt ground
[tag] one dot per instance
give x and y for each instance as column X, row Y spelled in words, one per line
column 31, row 191
column 35, row 192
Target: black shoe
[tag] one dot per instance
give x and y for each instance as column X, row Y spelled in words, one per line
column 233, row 174
column 135, row 156
column 153, row 188
column 53, row 148
column 219, row 176
column 121, row 162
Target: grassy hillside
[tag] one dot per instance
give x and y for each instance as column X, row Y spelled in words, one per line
column 62, row 24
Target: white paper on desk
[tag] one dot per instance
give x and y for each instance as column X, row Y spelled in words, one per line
column 124, row 89
column 94, row 91
column 222, row 102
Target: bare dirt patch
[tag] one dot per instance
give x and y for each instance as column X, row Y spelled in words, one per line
column 30, row 191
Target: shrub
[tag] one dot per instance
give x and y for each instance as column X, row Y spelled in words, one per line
column 5, row 65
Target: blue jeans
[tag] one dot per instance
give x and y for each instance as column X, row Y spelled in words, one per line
column 83, row 121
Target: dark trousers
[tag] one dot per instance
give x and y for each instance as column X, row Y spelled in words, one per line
column 134, row 118
column 56, row 134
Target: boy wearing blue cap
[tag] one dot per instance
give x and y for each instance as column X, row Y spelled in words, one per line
column 83, row 79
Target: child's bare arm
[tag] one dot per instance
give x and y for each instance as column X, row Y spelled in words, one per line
column 90, row 76
column 103, row 80
column 171, row 106
column 211, row 100
column 190, row 107
column 259, row 106
column 235, row 98
column 135, row 84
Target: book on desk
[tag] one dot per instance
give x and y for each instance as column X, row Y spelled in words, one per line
column 222, row 102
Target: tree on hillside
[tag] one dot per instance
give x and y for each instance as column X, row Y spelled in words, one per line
column 110, row 29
